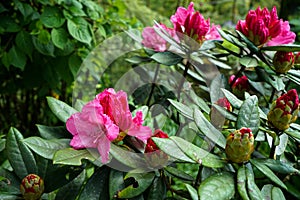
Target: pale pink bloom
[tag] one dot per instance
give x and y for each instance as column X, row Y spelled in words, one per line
column 92, row 129
column 262, row 26
column 154, row 41
column 193, row 24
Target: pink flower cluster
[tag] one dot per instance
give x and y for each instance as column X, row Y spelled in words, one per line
column 185, row 22
column 264, row 27
column 103, row 120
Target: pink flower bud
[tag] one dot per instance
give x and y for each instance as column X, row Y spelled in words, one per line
column 32, row 187
column 283, row 61
column 240, row 85
column 151, row 146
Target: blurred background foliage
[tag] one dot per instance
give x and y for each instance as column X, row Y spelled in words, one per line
column 43, row 44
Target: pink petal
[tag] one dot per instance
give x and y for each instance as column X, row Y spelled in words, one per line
column 103, row 149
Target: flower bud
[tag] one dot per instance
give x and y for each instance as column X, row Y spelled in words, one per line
column 283, row 61
column 153, row 155
column 240, row 145
column 284, row 110
column 217, row 119
column 239, row 86
column 32, row 187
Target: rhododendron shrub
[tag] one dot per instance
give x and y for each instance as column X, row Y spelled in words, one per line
column 215, row 117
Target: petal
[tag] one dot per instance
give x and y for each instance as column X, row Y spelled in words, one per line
column 103, row 149
column 140, row 132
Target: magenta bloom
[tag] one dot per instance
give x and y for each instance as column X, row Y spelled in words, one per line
column 193, row 24
column 103, row 120
column 264, row 27
column 154, row 41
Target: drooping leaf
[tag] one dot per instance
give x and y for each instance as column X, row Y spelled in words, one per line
column 233, row 100
column 183, row 109
column 242, row 183
column 249, row 115
column 62, row 110
column 97, row 185
column 166, row 58
column 142, row 180
column 208, row 129
column 219, row 186
column 267, row 172
column 197, row 154
column 19, row 156
column 70, row 156
column 79, row 29
column 192, row 191
column 284, row 47
column 253, row 191
column 45, row 148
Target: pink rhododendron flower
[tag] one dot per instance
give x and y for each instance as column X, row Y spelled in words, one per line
column 154, row 41
column 264, row 27
column 193, row 24
column 103, row 120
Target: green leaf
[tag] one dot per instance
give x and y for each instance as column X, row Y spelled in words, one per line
column 220, row 64
column 219, row 186
column 249, row 115
column 52, row 17
column 197, row 154
column 183, row 109
column 277, row 194
column 199, row 102
column 157, row 189
column 79, row 29
column 72, row 189
column 166, row 58
column 224, row 112
column 253, row 191
column 233, row 100
column 53, row 132
column 250, row 45
column 115, row 177
column 242, row 183
column 18, row 58
column 46, row 148
column 287, row 48
column 267, row 172
column 248, row 61
column 45, row 49
column 60, row 109
column 59, row 37
column 70, row 156
column 208, row 129
column 24, row 43
column 143, row 180
column 179, row 174
column 279, row 166
column 19, row 156
column 192, row 191
column 138, row 59
column 170, row 147
column 97, row 185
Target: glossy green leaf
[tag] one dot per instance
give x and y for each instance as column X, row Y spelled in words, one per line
column 24, row 42
column 45, row 148
column 215, row 88
column 70, row 156
column 143, row 181
column 79, row 29
column 248, row 115
column 117, row 178
column 219, row 186
column 170, row 147
column 199, row 102
column 97, row 185
column 224, row 112
column 52, row 17
column 279, row 166
column 253, row 191
column 166, row 58
column 197, row 154
column 45, row 49
column 295, row 134
column 277, row 194
column 174, row 172
column 62, row 110
column 208, row 129
column 287, row 48
column 220, row 64
column 233, row 100
column 138, row 59
column 53, row 132
column 283, row 141
column 248, row 61
column 18, row 58
column 158, row 189
column 192, row 191
column 242, row 183
column 183, row 109
column 267, row 172
column 72, row 189
column 266, row 191
column 250, row 45
column 19, row 156
column 59, row 37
